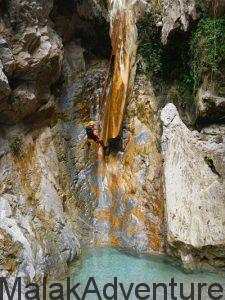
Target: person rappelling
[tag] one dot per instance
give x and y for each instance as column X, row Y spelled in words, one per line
column 92, row 134
column 91, row 129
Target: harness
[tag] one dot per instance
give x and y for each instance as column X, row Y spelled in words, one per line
column 90, row 133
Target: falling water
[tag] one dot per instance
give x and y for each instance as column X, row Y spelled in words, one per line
column 124, row 44
column 123, row 34
column 119, row 218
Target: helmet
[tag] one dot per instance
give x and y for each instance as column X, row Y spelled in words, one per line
column 91, row 123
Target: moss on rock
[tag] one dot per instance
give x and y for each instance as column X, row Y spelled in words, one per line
column 207, row 50
column 150, row 47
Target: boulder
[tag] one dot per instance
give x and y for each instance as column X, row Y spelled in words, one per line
column 194, row 174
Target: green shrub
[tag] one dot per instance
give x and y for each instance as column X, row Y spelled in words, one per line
column 150, row 47
column 186, row 57
column 208, row 161
column 16, row 144
column 207, row 49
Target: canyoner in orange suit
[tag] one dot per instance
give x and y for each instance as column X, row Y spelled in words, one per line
column 92, row 134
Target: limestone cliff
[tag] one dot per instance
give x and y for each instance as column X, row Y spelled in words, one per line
column 194, row 190
column 38, row 210
column 159, row 187
column 194, row 160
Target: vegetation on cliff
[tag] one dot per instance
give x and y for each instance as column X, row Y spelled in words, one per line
column 200, row 51
column 179, row 68
column 16, row 143
column 150, row 47
column 207, row 49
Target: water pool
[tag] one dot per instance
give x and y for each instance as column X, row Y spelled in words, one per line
column 105, row 263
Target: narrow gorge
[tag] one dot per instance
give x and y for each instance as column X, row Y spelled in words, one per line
column 150, row 73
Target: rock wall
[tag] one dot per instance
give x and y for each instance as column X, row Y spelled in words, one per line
column 129, row 210
column 217, row 8
column 121, row 198
column 39, row 235
column 194, row 173
column 41, row 228
column 56, row 192
column 194, row 160
column 120, row 194
column 176, row 14
column 38, row 230
column 31, row 58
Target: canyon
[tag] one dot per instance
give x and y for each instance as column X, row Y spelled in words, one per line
column 160, row 186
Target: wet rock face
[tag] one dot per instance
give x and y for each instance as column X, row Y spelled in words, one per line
column 52, row 186
column 77, row 105
column 120, row 194
column 124, row 46
column 133, row 215
column 194, row 186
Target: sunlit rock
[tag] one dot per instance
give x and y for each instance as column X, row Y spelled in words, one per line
column 194, row 173
column 34, row 216
column 176, row 14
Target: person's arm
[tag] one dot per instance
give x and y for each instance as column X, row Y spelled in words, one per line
column 95, row 132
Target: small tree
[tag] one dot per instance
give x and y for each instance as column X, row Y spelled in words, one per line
column 16, row 143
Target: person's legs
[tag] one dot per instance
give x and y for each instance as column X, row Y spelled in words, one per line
column 88, row 142
column 100, row 141
column 96, row 139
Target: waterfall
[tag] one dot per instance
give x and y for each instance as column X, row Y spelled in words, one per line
column 123, row 34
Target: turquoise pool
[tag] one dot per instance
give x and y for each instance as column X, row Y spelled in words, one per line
column 106, row 263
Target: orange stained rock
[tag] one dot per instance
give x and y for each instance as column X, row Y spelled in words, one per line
column 103, row 215
column 124, row 44
column 26, row 166
column 122, row 180
column 115, row 241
